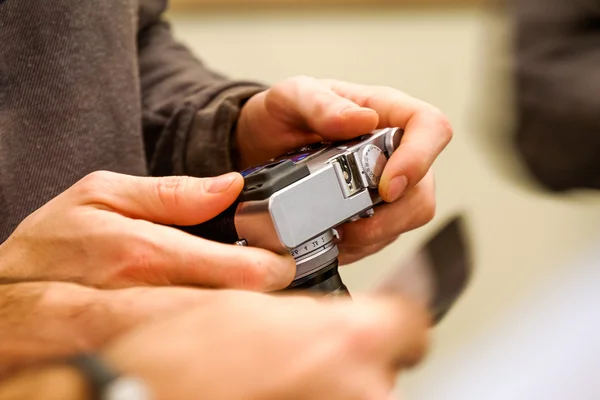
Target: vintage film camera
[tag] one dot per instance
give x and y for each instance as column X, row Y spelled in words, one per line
column 294, row 203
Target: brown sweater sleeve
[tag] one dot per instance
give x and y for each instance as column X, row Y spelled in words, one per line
column 189, row 112
column 558, row 91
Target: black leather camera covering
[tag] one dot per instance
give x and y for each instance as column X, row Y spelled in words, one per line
column 258, row 186
column 264, row 183
column 219, row 229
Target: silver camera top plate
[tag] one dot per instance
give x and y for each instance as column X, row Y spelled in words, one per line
column 341, row 186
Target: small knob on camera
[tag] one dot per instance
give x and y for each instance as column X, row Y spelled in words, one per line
column 373, row 161
column 392, row 140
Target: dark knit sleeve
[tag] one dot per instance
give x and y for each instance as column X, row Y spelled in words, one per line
column 558, row 91
column 189, row 111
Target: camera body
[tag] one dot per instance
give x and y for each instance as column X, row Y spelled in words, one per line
column 294, row 203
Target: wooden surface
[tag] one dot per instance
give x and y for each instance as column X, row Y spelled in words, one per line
column 199, row 4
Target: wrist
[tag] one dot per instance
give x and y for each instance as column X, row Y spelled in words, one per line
column 211, row 142
column 50, row 383
column 240, row 145
column 73, row 319
column 64, row 383
column 18, row 263
column 20, row 339
column 8, row 271
column 84, row 318
column 104, row 382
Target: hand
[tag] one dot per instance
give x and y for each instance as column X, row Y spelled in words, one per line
column 303, row 110
column 108, row 230
column 246, row 345
column 42, row 321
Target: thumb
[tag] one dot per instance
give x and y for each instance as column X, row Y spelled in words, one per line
column 174, row 200
column 314, row 104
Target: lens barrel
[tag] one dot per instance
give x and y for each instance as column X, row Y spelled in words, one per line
column 317, row 267
column 326, row 281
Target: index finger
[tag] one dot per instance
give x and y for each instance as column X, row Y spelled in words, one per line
column 426, row 133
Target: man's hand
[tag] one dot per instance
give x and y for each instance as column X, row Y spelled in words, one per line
column 244, row 345
column 304, row 110
column 47, row 320
column 108, row 230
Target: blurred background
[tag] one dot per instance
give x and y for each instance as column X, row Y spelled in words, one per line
column 526, row 327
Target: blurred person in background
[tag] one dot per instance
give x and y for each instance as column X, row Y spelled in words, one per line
column 110, row 130
column 558, row 91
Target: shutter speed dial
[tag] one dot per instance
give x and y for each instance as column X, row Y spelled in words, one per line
column 373, row 161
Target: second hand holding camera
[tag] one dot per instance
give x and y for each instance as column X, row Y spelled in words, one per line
column 294, row 203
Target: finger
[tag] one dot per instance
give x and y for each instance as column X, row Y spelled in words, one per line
column 175, row 200
column 392, row 330
column 427, row 133
column 159, row 255
column 412, row 211
column 308, row 103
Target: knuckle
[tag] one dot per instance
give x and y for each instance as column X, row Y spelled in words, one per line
column 440, row 119
column 95, row 184
column 301, row 79
column 417, row 352
column 362, row 335
column 379, row 93
column 287, row 273
column 384, row 90
column 420, row 163
column 98, row 176
column 414, row 321
column 428, row 208
column 373, row 393
column 171, row 190
column 371, row 232
column 253, row 276
column 322, row 103
column 138, row 260
column 330, row 83
column 295, row 84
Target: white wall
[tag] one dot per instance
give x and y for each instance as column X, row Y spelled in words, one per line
column 526, row 241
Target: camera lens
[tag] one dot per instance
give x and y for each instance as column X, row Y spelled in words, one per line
column 325, row 281
column 317, row 267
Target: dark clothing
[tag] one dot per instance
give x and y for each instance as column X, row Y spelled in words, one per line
column 102, row 85
column 558, row 91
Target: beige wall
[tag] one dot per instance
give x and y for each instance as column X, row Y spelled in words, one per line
column 455, row 60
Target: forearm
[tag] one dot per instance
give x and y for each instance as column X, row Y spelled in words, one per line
column 49, row 383
column 189, row 111
column 40, row 321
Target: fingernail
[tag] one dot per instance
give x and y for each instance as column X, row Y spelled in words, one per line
column 220, row 183
column 397, row 187
column 355, row 109
column 282, row 276
column 339, row 234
